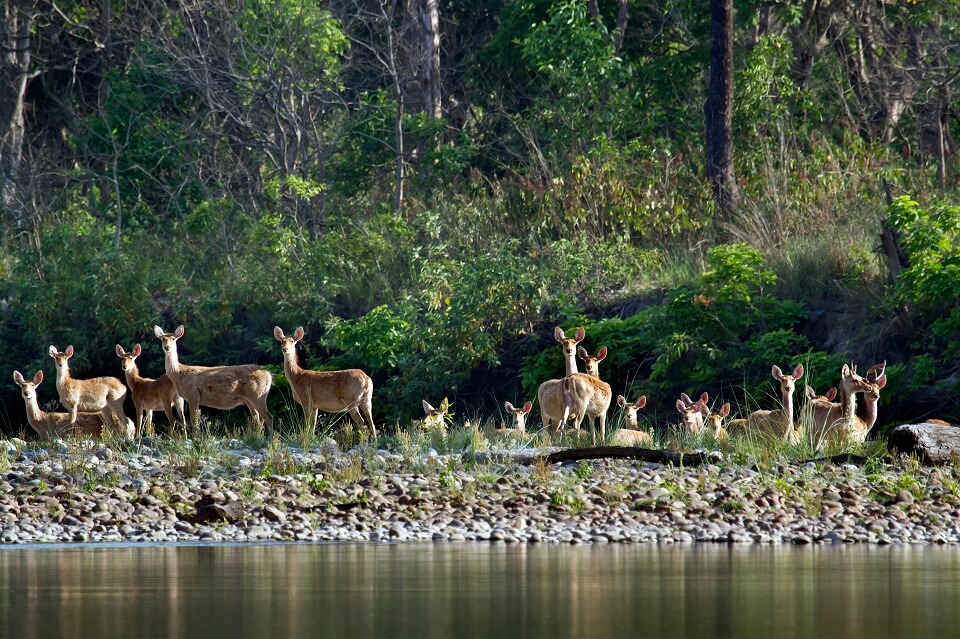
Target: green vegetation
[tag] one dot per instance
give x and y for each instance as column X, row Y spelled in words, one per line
column 562, row 184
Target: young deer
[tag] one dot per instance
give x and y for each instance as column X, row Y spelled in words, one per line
column 220, row 387
column 149, row 394
column 519, row 418
column 878, row 380
column 550, row 393
column 630, row 434
column 103, row 395
column 692, row 415
column 838, row 422
column 345, row 391
column 714, row 424
column 779, row 422
column 434, row 418
column 813, row 400
column 55, row 424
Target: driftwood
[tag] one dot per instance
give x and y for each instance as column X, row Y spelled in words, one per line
column 628, row 452
column 843, row 458
column 209, row 511
column 933, row 444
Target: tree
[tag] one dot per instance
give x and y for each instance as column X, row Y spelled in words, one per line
column 718, row 110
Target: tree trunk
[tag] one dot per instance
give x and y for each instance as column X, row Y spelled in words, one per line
column 431, row 73
column 15, row 59
column 623, row 12
column 933, row 444
column 718, row 110
column 628, row 452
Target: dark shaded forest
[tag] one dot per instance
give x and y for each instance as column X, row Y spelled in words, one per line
column 429, row 187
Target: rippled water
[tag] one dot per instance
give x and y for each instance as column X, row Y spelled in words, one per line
column 479, row 590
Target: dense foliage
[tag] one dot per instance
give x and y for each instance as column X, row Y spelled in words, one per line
column 232, row 166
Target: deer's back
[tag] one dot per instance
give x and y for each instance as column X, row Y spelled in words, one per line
column 586, row 394
column 223, row 387
column 92, row 394
column 58, row 425
column 332, row 390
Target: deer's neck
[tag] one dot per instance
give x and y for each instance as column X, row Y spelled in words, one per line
column 869, row 412
column 34, row 414
column 290, row 366
column 132, row 376
column 63, row 376
column 171, row 363
column 788, row 407
column 848, row 404
column 571, row 364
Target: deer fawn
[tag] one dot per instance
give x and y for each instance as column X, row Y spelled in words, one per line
column 779, row 422
column 519, row 418
column 838, row 422
column 714, row 423
column 103, row 395
column 55, row 424
column 550, row 393
column 150, row 394
column 346, row 391
column 221, row 387
column 630, row 434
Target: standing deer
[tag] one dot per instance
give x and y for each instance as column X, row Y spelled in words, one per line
column 519, row 418
column 591, row 364
column 586, row 396
column 630, row 434
column 779, row 422
column 550, row 393
column 838, row 422
column 150, row 394
column 55, row 424
column 103, row 395
column 220, row 387
column 877, row 378
column 345, row 391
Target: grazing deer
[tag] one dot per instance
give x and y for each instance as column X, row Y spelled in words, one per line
column 779, row 422
column 838, row 422
column 434, row 418
column 149, row 394
column 349, row 391
column 714, row 423
column 630, row 434
column 692, row 415
column 697, row 414
column 221, row 387
column 519, row 418
column 550, row 393
column 55, row 424
column 103, row 395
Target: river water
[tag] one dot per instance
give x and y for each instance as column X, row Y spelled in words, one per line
column 479, row 590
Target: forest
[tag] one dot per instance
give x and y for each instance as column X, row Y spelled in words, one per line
column 429, row 187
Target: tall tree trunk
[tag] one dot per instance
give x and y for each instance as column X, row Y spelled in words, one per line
column 623, row 11
column 15, row 55
column 431, row 44
column 718, row 110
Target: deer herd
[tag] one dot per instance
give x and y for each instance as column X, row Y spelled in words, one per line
column 95, row 406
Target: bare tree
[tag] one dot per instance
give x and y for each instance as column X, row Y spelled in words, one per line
column 718, row 110
column 15, row 72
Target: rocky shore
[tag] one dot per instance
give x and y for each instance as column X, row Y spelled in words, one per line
column 139, row 492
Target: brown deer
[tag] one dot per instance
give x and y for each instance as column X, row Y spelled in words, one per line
column 221, row 387
column 692, row 416
column 838, row 422
column 876, row 376
column 714, row 423
column 519, row 418
column 434, row 418
column 149, row 394
column 586, row 396
column 813, row 400
column 345, row 391
column 103, row 395
column 779, row 422
column 591, row 364
column 630, row 434
column 550, row 393
column 55, row 424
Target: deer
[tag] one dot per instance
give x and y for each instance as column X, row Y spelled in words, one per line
column 714, row 423
column 837, row 422
column 519, row 418
column 692, row 416
column 55, row 424
column 221, row 387
column 696, row 415
column 434, row 418
column 591, row 364
column 349, row 390
column 813, row 400
column 149, row 394
column 550, row 393
column 586, row 396
column 630, row 434
column 779, row 422
column 103, row 395
column 876, row 376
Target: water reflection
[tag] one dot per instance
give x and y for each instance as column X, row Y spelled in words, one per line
column 479, row 590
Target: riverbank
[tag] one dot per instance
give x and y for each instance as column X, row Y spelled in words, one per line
column 142, row 491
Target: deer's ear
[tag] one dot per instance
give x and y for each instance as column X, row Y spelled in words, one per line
column 17, row 377
column 527, row 407
column 725, row 410
column 798, row 372
column 137, row 350
column 119, row 350
column 702, row 409
column 38, row 378
column 602, row 354
column 507, row 406
column 69, row 351
column 809, row 392
column 686, row 398
column 298, row 333
column 621, row 401
column 641, row 402
column 831, row 393
column 277, row 333
column 427, row 408
column 881, row 381
column 558, row 334
column 157, row 331
column 179, row 332
column 845, row 371
column 52, row 350
column 582, row 352
column 704, row 397
column 580, row 334
column 680, row 407
column 776, row 372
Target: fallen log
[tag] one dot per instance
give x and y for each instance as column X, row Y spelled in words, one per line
column 933, row 444
column 628, row 452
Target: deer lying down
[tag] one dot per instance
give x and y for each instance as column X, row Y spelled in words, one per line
column 630, row 434
column 50, row 425
column 518, row 419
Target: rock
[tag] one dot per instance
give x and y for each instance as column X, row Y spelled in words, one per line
column 904, row 496
column 274, row 515
column 208, row 511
